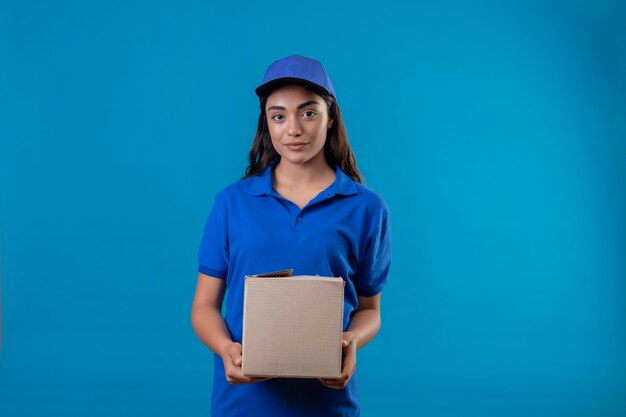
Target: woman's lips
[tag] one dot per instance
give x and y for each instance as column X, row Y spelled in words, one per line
column 295, row 146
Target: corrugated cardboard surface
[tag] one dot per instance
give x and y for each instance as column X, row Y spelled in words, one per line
column 292, row 326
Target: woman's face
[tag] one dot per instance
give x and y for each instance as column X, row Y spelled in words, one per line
column 298, row 121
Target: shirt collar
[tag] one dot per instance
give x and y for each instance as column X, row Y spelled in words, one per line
column 263, row 183
column 343, row 183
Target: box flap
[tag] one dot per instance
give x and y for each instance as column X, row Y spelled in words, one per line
column 281, row 273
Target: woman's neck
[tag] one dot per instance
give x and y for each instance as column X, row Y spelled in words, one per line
column 293, row 175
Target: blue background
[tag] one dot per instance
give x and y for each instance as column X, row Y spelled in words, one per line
column 496, row 133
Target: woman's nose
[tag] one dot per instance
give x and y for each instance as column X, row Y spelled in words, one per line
column 294, row 127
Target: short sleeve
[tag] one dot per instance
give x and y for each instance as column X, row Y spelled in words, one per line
column 214, row 252
column 373, row 268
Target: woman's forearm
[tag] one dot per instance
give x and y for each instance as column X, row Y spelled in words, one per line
column 209, row 325
column 364, row 325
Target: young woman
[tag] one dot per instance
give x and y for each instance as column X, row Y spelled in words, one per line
column 301, row 205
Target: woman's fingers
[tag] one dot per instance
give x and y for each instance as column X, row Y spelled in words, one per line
column 236, row 377
column 346, row 339
column 342, row 381
column 232, row 367
column 348, row 363
column 332, row 383
column 234, row 374
column 234, row 353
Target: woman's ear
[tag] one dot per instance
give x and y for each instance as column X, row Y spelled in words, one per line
column 330, row 123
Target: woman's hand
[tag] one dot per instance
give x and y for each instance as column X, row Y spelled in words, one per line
column 232, row 366
column 348, row 343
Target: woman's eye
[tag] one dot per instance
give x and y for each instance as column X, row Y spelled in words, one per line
column 277, row 117
column 309, row 113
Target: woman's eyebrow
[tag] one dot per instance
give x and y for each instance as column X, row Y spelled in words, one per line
column 308, row 103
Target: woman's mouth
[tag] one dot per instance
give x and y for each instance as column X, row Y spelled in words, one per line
column 295, row 146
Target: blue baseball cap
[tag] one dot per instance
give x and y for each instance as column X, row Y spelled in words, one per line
column 296, row 69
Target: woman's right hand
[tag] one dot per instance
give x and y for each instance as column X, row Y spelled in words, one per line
column 232, row 366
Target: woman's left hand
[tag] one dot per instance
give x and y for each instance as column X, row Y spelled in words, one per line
column 348, row 367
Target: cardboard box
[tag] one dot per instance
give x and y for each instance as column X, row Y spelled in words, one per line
column 292, row 325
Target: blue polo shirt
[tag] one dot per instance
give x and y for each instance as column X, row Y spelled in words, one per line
column 343, row 232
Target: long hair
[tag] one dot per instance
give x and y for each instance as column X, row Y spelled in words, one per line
column 337, row 149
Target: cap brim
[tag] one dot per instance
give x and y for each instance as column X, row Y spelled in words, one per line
column 267, row 87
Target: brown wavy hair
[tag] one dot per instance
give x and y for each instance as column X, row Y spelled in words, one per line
column 337, row 149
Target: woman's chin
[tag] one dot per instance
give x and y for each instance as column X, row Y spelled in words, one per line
column 300, row 158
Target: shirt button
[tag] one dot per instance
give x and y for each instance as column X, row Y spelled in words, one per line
column 298, row 218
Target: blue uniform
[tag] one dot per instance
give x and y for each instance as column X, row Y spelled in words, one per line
column 343, row 232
